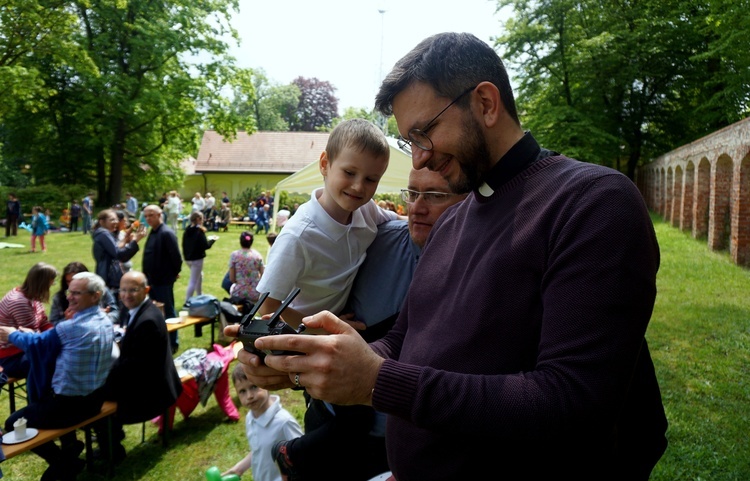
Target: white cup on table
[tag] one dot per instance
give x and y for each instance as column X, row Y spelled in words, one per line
column 19, row 427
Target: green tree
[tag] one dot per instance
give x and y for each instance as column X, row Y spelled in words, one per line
column 271, row 105
column 142, row 103
column 31, row 28
column 614, row 82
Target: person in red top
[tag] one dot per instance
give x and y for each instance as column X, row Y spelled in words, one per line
column 22, row 307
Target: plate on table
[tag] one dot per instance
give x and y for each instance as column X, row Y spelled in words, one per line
column 10, row 438
column 173, row 320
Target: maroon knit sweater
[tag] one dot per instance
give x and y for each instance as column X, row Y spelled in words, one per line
column 520, row 352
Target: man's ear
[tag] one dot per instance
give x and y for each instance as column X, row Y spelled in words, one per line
column 491, row 105
column 324, row 163
column 147, row 289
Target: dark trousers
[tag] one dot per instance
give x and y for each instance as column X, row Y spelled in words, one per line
column 11, row 225
column 359, row 456
column 53, row 411
column 226, row 284
column 16, row 365
column 165, row 295
column 73, row 224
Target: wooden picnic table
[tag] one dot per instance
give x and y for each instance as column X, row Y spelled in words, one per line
column 193, row 321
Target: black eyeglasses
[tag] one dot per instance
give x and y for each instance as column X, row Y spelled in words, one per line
column 419, row 137
column 433, row 198
column 76, row 293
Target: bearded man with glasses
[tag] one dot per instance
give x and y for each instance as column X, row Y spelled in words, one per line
column 520, row 349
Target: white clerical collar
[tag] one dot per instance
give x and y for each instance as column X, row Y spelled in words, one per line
column 485, row 190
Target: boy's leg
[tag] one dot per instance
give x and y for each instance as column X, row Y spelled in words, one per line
column 360, row 456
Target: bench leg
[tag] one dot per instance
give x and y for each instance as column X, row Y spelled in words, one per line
column 12, row 396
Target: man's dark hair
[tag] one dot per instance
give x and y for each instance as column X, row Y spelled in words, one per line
column 450, row 63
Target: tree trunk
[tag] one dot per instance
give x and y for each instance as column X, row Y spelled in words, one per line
column 101, row 178
column 116, row 162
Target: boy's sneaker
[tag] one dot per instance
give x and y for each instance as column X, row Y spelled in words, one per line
column 280, row 453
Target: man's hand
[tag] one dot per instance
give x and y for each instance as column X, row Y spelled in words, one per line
column 339, row 367
column 5, row 332
column 257, row 372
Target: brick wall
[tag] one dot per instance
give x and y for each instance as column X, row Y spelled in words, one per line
column 704, row 187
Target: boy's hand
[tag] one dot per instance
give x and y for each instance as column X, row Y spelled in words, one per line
column 349, row 319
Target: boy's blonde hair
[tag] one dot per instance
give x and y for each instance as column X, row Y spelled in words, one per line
column 360, row 135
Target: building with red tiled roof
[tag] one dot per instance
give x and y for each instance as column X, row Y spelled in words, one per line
column 260, row 158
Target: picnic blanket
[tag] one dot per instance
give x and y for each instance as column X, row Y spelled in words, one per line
column 198, row 388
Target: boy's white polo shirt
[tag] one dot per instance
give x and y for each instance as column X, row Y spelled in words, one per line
column 320, row 256
column 276, row 424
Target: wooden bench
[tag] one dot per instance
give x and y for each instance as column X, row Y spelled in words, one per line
column 11, row 386
column 245, row 223
column 195, row 321
column 47, row 435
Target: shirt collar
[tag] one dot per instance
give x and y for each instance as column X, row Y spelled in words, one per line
column 266, row 418
column 326, row 223
column 133, row 311
column 86, row 312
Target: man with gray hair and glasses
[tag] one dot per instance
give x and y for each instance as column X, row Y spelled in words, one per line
column 80, row 351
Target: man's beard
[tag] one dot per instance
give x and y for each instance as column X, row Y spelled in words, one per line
column 475, row 161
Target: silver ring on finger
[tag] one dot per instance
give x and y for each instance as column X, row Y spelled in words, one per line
column 296, row 381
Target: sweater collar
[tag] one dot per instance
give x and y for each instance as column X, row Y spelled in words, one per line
column 523, row 153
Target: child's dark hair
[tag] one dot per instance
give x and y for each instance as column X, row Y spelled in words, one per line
column 246, row 239
column 271, row 238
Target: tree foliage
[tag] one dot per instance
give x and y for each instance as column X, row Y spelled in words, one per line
column 616, row 82
column 128, row 98
column 270, row 106
column 317, row 107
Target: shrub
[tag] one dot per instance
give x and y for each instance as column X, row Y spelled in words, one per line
column 49, row 196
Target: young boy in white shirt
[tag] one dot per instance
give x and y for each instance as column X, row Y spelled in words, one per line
column 266, row 424
column 324, row 243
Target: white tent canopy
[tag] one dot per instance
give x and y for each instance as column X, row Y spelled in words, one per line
column 309, row 178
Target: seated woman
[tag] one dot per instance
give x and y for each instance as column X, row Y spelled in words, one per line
column 59, row 310
column 23, row 307
column 245, row 268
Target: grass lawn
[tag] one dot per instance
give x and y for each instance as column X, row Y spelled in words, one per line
column 205, row 439
column 699, row 338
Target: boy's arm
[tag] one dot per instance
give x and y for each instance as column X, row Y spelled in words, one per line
column 241, row 466
column 290, row 316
